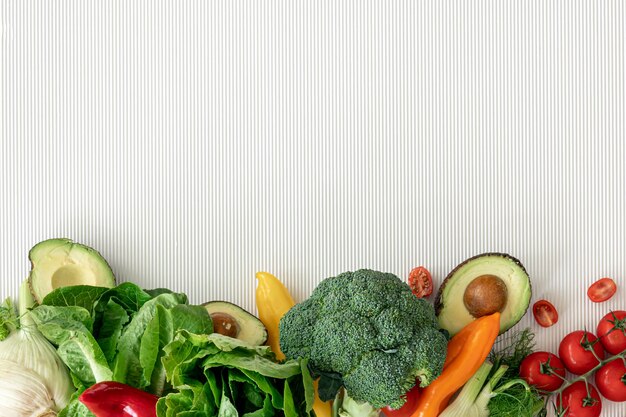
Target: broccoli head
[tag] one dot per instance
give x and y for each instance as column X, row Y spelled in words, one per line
column 369, row 328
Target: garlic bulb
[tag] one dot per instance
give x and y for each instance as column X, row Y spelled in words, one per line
column 23, row 393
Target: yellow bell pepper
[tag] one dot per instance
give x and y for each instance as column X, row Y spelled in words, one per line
column 321, row 408
column 273, row 301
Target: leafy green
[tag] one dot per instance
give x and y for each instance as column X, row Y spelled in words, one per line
column 158, row 291
column 83, row 296
column 129, row 296
column 127, row 366
column 116, row 334
column 8, row 319
column 75, row 409
column 514, row 400
column 69, row 329
column 214, row 374
column 114, row 318
column 511, row 350
column 329, row 384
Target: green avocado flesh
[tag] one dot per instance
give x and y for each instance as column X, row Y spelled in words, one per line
column 61, row 262
column 231, row 320
column 511, row 299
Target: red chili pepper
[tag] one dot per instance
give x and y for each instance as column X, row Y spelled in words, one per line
column 113, row 399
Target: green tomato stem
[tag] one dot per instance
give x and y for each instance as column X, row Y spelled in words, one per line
column 584, row 377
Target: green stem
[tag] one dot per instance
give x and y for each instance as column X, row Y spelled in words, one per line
column 471, row 393
column 509, row 384
column 589, row 373
column 25, row 303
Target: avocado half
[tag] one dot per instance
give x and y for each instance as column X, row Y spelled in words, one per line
column 231, row 320
column 59, row 263
column 482, row 285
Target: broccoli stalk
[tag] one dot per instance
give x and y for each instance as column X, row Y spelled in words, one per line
column 346, row 406
column 487, row 394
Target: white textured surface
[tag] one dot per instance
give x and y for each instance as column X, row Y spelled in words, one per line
column 195, row 143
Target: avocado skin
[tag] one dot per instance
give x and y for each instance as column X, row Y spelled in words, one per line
column 439, row 302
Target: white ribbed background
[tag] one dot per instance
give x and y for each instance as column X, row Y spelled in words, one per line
column 196, row 142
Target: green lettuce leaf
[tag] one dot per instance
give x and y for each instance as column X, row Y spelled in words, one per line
column 84, row 296
column 140, row 346
column 69, row 329
column 114, row 318
column 119, row 334
column 236, row 379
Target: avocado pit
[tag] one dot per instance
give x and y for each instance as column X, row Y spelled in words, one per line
column 485, row 295
column 225, row 324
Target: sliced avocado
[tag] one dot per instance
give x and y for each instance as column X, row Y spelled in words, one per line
column 231, row 320
column 61, row 262
column 480, row 286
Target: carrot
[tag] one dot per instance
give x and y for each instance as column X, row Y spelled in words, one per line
column 467, row 351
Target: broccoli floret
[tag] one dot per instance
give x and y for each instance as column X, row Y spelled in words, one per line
column 368, row 327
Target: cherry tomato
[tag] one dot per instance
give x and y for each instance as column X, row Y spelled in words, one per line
column 544, row 370
column 601, row 290
column 612, row 332
column 421, row 282
column 412, row 397
column 575, row 351
column 545, row 313
column 611, row 380
column 578, row 402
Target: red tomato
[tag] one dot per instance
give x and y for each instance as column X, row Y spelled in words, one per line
column 544, row 370
column 412, row 397
column 578, row 402
column 421, row 282
column 545, row 313
column 612, row 332
column 611, row 380
column 601, row 290
column 575, row 351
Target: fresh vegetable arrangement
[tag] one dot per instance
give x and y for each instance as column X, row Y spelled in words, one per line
column 106, row 350
column 363, row 343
